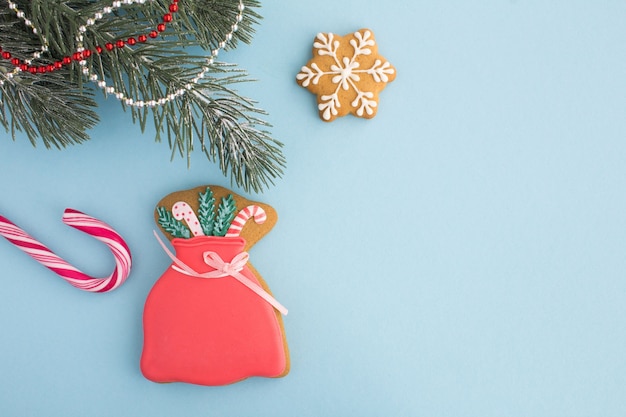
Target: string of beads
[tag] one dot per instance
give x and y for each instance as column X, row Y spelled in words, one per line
column 81, row 54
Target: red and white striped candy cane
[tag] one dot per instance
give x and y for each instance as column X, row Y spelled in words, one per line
column 242, row 217
column 87, row 224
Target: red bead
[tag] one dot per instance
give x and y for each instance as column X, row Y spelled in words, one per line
column 109, row 46
column 87, row 53
column 50, row 68
column 67, row 60
column 173, row 7
column 6, row 55
column 167, row 18
column 24, row 67
column 15, row 61
column 32, row 70
column 58, row 65
column 142, row 38
column 153, row 34
column 77, row 56
column 131, row 41
column 120, row 43
column 161, row 27
column 99, row 49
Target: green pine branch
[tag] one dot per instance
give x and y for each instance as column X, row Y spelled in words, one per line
column 174, row 227
column 51, row 110
column 228, row 128
column 225, row 215
column 206, row 211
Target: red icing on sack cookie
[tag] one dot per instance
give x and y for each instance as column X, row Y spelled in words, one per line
column 210, row 319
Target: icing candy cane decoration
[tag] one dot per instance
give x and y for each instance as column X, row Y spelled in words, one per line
column 251, row 211
column 182, row 210
column 87, row 224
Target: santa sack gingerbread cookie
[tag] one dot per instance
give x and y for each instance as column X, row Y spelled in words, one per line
column 211, row 319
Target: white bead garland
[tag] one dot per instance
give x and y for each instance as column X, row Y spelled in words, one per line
column 151, row 102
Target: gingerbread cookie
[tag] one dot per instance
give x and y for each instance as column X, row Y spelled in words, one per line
column 347, row 74
column 211, row 319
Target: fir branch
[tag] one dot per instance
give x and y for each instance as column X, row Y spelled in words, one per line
column 57, row 112
column 227, row 127
column 225, row 215
column 174, row 227
column 214, row 17
column 206, row 211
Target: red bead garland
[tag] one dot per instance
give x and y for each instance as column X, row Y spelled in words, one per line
column 86, row 53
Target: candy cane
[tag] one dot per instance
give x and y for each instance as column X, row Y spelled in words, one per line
column 182, row 210
column 87, row 224
column 251, row 211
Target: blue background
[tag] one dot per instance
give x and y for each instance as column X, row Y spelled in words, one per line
column 461, row 254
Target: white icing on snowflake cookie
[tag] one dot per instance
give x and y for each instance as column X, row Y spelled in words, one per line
column 346, row 73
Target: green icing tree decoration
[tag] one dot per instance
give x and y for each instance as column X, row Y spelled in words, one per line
column 212, row 224
column 206, row 211
column 174, row 227
column 225, row 215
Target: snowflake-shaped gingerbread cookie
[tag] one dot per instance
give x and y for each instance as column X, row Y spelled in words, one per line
column 346, row 73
